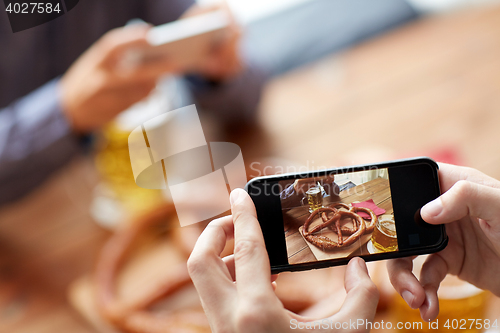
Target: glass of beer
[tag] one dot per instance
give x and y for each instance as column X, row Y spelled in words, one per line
column 462, row 307
column 384, row 237
column 118, row 196
column 314, row 198
column 113, row 162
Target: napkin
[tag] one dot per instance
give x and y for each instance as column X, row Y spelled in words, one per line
column 368, row 204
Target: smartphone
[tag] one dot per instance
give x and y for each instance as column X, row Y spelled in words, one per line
column 323, row 218
column 186, row 42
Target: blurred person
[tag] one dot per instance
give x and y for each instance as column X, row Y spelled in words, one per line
column 62, row 80
column 469, row 206
column 44, row 90
column 237, row 291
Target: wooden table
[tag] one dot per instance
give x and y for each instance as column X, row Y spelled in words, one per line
column 297, row 248
column 47, row 240
column 430, row 85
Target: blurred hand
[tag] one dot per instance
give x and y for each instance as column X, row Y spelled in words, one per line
column 224, row 60
column 470, row 207
column 108, row 78
column 237, row 291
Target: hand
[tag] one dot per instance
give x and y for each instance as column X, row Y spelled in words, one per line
column 108, row 79
column 237, row 291
column 470, row 208
column 224, row 60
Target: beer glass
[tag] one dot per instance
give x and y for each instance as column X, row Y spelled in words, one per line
column 462, row 307
column 118, row 196
column 314, row 197
column 384, row 237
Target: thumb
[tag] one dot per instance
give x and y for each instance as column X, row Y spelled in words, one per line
column 362, row 294
column 117, row 42
column 252, row 267
column 463, row 199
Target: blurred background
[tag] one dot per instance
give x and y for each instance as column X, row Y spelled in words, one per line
column 339, row 83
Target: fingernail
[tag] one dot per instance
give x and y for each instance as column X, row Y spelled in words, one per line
column 408, row 297
column 235, row 196
column 362, row 265
column 433, row 208
column 423, row 312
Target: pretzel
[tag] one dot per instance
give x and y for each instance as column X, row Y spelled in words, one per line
column 369, row 227
column 373, row 222
column 337, row 229
column 317, row 211
column 136, row 318
column 359, row 226
column 342, row 205
column 344, row 230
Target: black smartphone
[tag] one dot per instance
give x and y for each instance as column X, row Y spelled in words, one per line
column 323, row 218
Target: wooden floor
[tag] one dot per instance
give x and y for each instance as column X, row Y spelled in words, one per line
column 297, row 249
column 429, row 87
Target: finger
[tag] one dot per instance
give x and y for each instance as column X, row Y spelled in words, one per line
column 405, row 283
column 115, row 42
column 362, row 294
column 210, row 275
column 253, row 273
column 462, row 199
column 229, row 261
column 433, row 272
column 450, row 174
column 148, row 67
column 207, row 270
column 126, row 50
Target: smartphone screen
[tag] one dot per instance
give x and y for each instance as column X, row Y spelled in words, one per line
column 353, row 201
column 324, row 218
